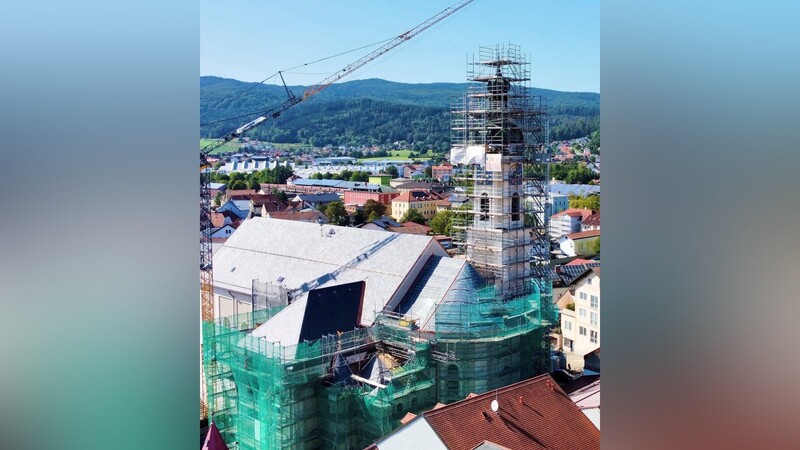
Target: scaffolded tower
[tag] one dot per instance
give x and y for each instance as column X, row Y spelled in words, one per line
column 497, row 334
column 498, row 144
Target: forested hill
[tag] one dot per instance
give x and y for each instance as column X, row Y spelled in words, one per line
column 373, row 111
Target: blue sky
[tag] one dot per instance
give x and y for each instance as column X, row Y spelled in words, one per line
column 250, row 40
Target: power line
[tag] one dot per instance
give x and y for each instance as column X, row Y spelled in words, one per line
column 239, row 94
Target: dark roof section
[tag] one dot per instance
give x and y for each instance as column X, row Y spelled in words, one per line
column 532, row 414
column 318, row 198
column 569, row 274
column 580, row 383
column 332, row 309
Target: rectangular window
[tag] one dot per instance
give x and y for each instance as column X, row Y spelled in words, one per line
column 589, row 280
column 593, row 337
column 595, row 301
column 567, row 325
column 582, row 331
column 593, row 318
column 583, row 295
column 583, row 312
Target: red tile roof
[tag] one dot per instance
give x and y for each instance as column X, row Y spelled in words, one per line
column 408, row 418
column 238, row 193
column 574, row 212
column 410, row 228
column 418, row 195
column 532, row 414
column 584, row 234
column 217, row 219
column 592, row 220
column 579, row 261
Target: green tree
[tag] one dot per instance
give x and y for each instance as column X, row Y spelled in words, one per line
column 218, row 199
column 589, row 202
column 594, row 142
column 428, row 172
column 336, row 214
column 392, row 170
column 412, row 215
column 281, row 195
column 235, row 176
column 596, row 247
column 371, row 207
column 236, row 185
column 359, row 217
column 442, row 222
column 218, row 177
column 254, row 184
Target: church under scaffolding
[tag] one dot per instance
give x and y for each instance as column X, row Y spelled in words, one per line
column 457, row 326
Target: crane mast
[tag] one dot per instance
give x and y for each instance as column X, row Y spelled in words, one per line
column 206, row 228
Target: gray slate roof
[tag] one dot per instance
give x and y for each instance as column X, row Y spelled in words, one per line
column 308, row 256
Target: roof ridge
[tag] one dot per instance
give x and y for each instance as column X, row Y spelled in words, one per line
column 469, row 400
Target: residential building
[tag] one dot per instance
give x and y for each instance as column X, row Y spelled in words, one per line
column 301, row 201
column 216, row 188
column 532, row 414
column 241, row 208
column 380, row 179
column 359, row 198
column 442, row 172
column 239, row 193
column 411, row 228
column 224, row 231
column 579, row 244
column 410, row 169
column 423, row 201
column 558, row 202
column 592, row 222
column 567, row 221
column 580, row 322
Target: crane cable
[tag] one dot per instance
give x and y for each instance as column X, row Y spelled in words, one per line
column 285, row 70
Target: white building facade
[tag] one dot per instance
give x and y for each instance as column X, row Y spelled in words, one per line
column 581, row 328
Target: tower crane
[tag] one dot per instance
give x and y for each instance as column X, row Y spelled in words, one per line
column 206, row 268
